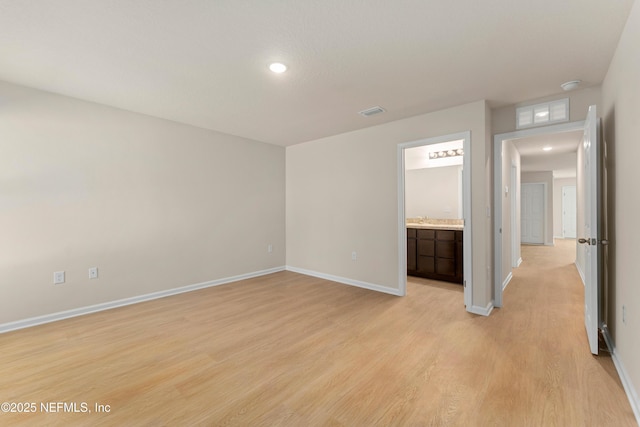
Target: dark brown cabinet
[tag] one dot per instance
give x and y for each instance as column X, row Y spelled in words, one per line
column 435, row 254
column 412, row 236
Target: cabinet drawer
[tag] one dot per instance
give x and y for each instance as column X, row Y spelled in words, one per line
column 412, row 233
column 426, row 234
column 448, row 235
column 445, row 249
column 426, row 247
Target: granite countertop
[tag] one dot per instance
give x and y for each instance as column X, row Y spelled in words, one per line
column 437, row 224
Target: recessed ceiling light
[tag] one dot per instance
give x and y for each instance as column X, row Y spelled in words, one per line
column 570, row 85
column 278, row 67
column 548, row 148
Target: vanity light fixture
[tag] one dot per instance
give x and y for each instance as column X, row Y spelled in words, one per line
column 278, row 67
column 447, row 153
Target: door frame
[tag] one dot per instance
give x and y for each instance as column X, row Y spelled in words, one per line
column 497, row 192
column 466, row 209
column 515, row 231
column 545, row 195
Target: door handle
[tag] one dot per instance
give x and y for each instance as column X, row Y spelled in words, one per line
column 604, row 242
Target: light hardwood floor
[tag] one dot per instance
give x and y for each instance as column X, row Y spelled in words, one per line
column 291, row 350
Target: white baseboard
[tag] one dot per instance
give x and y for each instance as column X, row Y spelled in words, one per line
column 482, row 311
column 345, row 281
column 33, row 321
column 632, row 395
column 519, row 262
column 507, row 280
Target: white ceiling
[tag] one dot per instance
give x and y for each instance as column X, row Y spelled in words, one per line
column 204, row 62
column 561, row 160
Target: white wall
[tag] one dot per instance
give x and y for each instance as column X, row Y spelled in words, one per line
column 433, row 192
column 621, row 106
column 558, row 183
column 339, row 201
column 546, row 178
column 153, row 204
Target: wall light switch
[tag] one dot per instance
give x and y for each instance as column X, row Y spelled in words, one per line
column 93, row 273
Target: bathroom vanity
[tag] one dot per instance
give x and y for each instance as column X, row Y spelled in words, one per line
column 434, row 251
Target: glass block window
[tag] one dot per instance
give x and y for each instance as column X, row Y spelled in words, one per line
column 542, row 114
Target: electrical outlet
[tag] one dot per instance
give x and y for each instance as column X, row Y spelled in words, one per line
column 624, row 314
column 58, row 277
column 269, row 248
column 354, row 256
column 93, row 273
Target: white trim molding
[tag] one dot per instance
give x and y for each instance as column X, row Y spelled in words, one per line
column 346, row 281
column 632, row 395
column 519, row 262
column 482, row 311
column 507, row 280
column 498, row 186
column 48, row 318
column 467, row 242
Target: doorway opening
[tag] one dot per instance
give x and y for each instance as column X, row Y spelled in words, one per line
column 569, row 212
column 437, row 151
column 512, row 226
column 533, row 213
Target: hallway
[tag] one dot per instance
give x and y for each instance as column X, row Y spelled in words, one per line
column 544, row 322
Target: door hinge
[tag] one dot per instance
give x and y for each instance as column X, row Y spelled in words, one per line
column 465, row 284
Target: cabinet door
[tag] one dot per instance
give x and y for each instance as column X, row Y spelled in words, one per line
column 426, row 264
column 459, row 260
column 445, row 249
column 446, row 266
column 426, row 247
column 412, row 247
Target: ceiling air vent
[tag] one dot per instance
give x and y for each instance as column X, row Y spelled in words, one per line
column 372, row 111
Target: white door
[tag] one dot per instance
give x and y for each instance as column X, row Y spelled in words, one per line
column 532, row 213
column 569, row 212
column 590, row 238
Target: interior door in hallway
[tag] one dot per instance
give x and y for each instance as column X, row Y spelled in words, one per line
column 569, row 212
column 591, row 238
column 532, row 213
